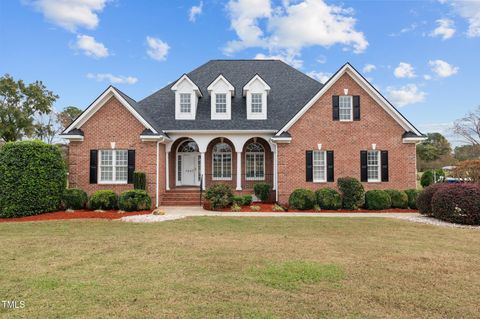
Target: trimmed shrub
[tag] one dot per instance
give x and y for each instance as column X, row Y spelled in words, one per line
column 412, row 197
column 262, row 191
column 103, row 199
column 377, row 199
column 219, row 196
column 139, row 180
column 328, row 198
column 427, row 178
column 353, row 194
column 32, row 178
column 247, row 200
column 424, row 199
column 302, row 199
column 457, row 203
column 74, row 198
column 133, row 200
column 399, row 198
column 237, row 200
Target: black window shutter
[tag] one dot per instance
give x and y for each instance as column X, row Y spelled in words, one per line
column 330, row 176
column 131, row 165
column 356, row 107
column 384, row 161
column 336, row 108
column 363, row 166
column 309, row 166
column 93, row 166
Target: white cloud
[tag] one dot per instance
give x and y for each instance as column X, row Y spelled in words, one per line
column 405, row 95
column 71, row 14
column 469, row 10
column 369, row 68
column 90, row 47
column 157, row 49
column 427, row 77
column 320, row 76
column 322, row 59
column 292, row 26
column 195, row 11
column 120, row 79
column 404, row 70
column 442, row 68
column 289, row 59
column 445, row 29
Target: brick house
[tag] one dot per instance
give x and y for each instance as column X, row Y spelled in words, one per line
column 241, row 122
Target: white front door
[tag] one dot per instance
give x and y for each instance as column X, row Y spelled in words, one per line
column 190, row 169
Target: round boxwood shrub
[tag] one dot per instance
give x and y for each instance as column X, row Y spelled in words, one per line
column 353, row 194
column 428, row 179
column 302, row 199
column 32, row 178
column 262, row 191
column 74, row 198
column 328, row 198
column 133, row 200
column 219, row 196
column 399, row 198
column 424, row 199
column 104, row 200
column 247, row 200
column 457, row 203
column 412, row 197
column 377, row 199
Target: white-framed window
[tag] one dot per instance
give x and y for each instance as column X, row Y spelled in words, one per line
column 222, row 162
column 113, row 166
column 257, row 103
column 319, row 166
column 185, row 103
column 345, row 103
column 373, row 166
column 255, row 162
column 221, row 103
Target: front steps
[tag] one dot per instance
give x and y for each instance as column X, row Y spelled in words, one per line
column 181, row 197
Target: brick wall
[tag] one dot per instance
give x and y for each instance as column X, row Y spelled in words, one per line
column 114, row 123
column 346, row 139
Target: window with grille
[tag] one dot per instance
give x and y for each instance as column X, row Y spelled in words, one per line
column 256, row 102
column 113, row 166
column 345, row 108
column 185, row 103
column 373, row 166
column 319, row 166
column 222, row 161
column 221, row 103
column 255, row 162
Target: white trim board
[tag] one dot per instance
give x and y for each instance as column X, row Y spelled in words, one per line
column 357, row 77
column 99, row 102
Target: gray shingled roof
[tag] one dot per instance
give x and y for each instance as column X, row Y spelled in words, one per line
column 290, row 91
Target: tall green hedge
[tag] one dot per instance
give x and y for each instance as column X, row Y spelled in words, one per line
column 32, row 178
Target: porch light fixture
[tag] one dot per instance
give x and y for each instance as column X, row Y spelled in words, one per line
column 345, row 91
column 112, row 145
column 374, row 146
column 319, row 146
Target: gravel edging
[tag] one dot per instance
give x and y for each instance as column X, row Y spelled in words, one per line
column 434, row 222
column 150, row 218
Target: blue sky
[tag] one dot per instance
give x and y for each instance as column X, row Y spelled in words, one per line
column 423, row 55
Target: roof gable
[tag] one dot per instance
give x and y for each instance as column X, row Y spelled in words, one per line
column 221, row 78
column 186, row 79
column 367, row 87
column 256, row 79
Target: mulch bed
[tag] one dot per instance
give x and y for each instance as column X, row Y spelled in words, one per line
column 78, row 214
column 267, row 207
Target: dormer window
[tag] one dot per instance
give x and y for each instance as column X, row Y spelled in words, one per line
column 221, row 103
column 186, row 98
column 256, row 91
column 256, row 102
column 185, row 103
column 221, row 93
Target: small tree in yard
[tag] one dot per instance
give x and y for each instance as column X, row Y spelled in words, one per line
column 353, row 194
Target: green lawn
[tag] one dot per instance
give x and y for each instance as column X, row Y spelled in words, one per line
column 262, row 267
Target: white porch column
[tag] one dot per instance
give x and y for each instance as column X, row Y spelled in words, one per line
column 167, row 170
column 239, row 171
column 275, row 172
column 202, row 168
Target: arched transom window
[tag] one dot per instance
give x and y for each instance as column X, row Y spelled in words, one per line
column 222, row 162
column 255, row 161
column 188, row 147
